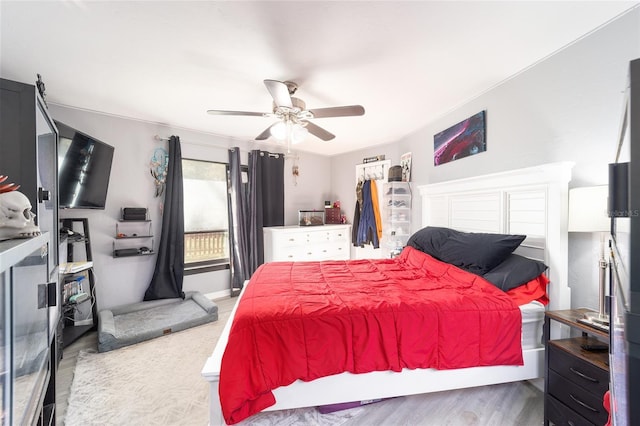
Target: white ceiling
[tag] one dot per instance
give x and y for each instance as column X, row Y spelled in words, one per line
column 407, row 63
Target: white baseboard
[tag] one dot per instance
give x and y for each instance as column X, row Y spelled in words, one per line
column 218, row 294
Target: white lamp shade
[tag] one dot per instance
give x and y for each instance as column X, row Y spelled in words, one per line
column 279, row 131
column 298, row 134
column 588, row 209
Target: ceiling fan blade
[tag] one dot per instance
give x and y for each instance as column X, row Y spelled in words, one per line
column 279, row 92
column 318, row 131
column 266, row 134
column 341, row 111
column 255, row 114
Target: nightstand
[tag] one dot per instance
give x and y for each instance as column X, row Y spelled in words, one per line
column 576, row 379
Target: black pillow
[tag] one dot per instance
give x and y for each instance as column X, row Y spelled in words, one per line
column 430, row 239
column 514, row 272
column 472, row 251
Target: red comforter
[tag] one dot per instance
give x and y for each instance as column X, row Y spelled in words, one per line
column 305, row 320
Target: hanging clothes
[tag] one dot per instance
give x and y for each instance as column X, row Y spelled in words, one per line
column 359, row 194
column 356, row 224
column 367, row 231
column 356, row 215
column 376, row 208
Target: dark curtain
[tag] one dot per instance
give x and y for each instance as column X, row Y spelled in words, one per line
column 262, row 204
column 266, row 198
column 238, row 224
column 169, row 272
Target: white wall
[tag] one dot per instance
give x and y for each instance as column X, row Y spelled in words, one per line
column 310, row 189
column 124, row 280
column 566, row 108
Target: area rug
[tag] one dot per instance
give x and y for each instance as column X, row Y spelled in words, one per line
column 158, row 382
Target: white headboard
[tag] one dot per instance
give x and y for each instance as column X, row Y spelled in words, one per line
column 532, row 201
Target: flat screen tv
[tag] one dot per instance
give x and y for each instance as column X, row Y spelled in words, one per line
column 624, row 308
column 84, row 168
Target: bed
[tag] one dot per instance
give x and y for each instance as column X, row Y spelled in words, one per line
column 531, row 202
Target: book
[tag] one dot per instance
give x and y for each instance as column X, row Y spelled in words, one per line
column 73, row 267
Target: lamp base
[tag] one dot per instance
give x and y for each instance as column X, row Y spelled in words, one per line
column 596, row 320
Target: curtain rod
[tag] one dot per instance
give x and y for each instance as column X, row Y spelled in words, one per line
column 159, row 138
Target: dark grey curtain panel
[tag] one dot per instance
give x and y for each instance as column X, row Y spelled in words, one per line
column 256, row 218
column 238, row 224
column 266, row 197
column 258, row 203
column 270, row 183
column 168, row 275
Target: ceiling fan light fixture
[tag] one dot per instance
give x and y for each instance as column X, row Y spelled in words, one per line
column 279, row 130
column 298, row 133
column 293, row 126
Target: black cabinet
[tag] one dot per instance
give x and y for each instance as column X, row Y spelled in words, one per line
column 576, row 379
column 27, row 368
column 29, row 155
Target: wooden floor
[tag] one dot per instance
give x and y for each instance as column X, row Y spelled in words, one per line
column 67, row 365
column 509, row 404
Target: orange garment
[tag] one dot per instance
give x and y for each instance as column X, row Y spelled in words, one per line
column 376, row 208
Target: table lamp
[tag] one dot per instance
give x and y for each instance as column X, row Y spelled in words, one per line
column 588, row 213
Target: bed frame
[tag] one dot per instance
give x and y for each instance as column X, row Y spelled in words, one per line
column 531, row 201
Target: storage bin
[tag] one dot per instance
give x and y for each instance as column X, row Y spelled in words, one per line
column 310, row 217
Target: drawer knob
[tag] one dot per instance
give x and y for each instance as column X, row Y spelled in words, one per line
column 584, row 376
column 585, row 405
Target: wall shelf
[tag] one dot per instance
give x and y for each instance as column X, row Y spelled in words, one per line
column 82, row 317
column 133, row 238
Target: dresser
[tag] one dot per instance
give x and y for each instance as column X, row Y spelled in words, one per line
column 307, row 243
column 576, row 378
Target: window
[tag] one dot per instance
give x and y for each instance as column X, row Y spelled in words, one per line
column 206, row 218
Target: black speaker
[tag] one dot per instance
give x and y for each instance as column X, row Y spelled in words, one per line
column 618, row 203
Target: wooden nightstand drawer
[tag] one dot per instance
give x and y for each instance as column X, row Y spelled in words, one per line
column 582, row 373
column 575, row 379
column 577, row 398
column 561, row 415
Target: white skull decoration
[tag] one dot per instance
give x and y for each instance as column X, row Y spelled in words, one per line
column 16, row 218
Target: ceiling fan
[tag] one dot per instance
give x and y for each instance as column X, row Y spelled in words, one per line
column 293, row 115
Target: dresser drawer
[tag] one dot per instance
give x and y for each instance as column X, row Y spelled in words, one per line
column 338, row 235
column 333, row 251
column 290, row 239
column 578, row 371
column 293, row 244
column 577, row 398
column 561, row 415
